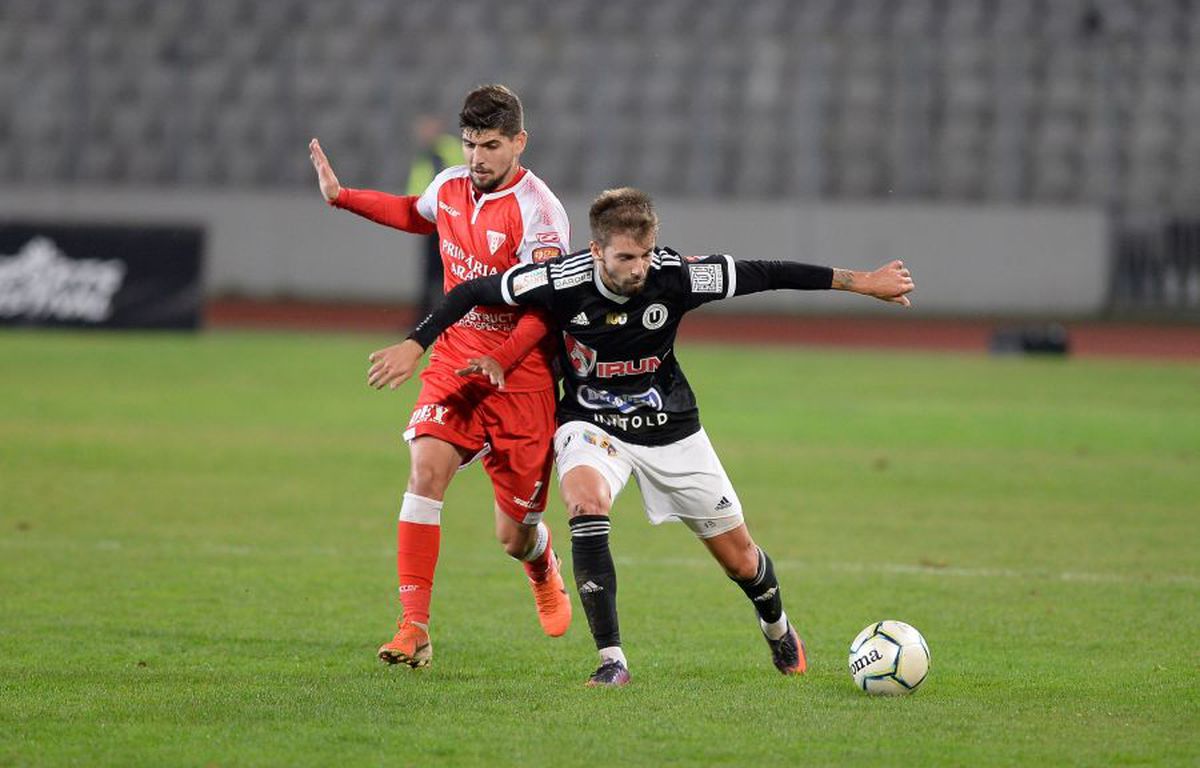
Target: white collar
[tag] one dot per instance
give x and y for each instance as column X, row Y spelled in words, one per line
column 600, row 286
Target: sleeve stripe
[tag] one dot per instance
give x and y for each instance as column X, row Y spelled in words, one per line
column 731, row 278
column 504, row 283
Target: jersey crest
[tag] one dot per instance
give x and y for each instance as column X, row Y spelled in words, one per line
column 495, row 240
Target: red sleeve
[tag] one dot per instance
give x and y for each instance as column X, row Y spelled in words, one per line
column 529, row 331
column 399, row 211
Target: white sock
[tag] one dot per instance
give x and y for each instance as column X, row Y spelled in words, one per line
column 775, row 630
column 418, row 509
column 613, row 653
column 539, row 544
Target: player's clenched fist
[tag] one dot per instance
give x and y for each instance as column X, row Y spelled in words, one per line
column 394, row 365
column 891, row 282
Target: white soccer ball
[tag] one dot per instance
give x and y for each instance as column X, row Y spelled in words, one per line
column 889, row 658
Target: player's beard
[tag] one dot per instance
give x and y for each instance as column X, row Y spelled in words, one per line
column 493, row 181
column 487, row 186
column 626, row 287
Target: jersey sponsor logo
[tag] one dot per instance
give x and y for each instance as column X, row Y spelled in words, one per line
column 472, row 270
column 546, row 253
column 464, row 265
column 628, row 367
column 707, row 278
column 654, row 317
column 548, row 238
column 433, row 412
column 448, row 208
column 633, row 423
column 601, row 399
column 495, row 240
column 580, row 319
column 582, row 357
column 527, row 281
column 569, row 281
column 453, row 250
column 489, row 321
column 615, row 318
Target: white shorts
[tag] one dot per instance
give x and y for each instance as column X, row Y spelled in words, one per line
column 683, row 480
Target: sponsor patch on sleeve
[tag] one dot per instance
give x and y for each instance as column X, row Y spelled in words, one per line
column 546, row 253
column 707, row 278
column 562, row 283
column 527, row 281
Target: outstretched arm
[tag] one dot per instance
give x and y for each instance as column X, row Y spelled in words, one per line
column 394, row 365
column 891, row 282
column 398, row 211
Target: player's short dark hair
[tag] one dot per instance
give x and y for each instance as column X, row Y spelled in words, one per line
column 624, row 210
column 492, row 107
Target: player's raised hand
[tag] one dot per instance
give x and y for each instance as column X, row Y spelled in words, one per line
column 325, row 175
column 394, row 365
column 486, row 366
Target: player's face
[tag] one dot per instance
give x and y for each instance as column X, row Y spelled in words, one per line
column 492, row 157
column 624, row 263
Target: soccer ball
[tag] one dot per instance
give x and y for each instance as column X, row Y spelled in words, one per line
column 889, row 658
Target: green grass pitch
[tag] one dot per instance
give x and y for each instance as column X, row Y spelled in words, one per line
column 196, row 567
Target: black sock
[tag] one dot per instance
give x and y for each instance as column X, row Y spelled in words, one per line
column 763, row 590
column 595, row 577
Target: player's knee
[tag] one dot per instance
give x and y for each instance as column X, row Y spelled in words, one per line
column 428, row 481
column 739, row 561
column 588, row 504
column 515, row 545
column 515, row 538
column 743, row 567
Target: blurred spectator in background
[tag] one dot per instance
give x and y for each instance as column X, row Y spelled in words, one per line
column 437, row 150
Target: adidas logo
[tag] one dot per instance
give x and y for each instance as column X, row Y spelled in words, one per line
column 724, row 503
column 580, row 319
column 588, row 587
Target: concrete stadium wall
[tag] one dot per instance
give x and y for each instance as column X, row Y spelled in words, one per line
column 966, row 259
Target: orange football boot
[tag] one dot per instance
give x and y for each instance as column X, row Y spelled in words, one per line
column 553, row 604
column 410, row 646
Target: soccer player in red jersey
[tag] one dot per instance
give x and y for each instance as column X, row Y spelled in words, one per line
column 490, row 214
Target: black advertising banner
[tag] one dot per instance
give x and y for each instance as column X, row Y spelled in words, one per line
column 83, row 275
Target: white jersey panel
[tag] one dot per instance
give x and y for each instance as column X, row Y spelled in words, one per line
column 547, row 232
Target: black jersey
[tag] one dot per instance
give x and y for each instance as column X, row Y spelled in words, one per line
column 618, row 352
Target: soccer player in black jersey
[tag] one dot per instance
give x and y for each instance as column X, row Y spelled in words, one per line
column 626, row 407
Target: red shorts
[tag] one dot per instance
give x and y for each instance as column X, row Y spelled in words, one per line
column 512, row 432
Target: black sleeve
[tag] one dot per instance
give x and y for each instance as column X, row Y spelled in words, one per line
column 756, row 276
column 481, row 291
